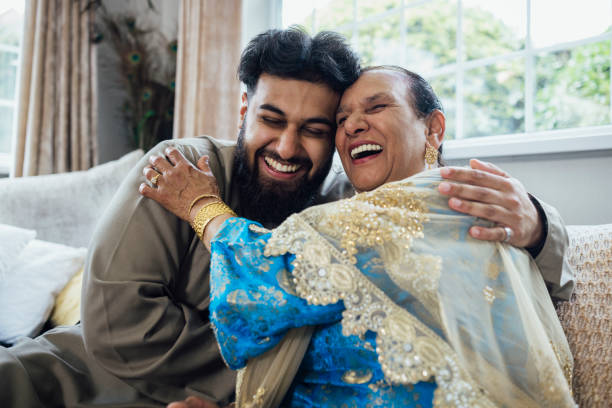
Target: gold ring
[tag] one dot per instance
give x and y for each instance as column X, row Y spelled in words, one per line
column 155, row 178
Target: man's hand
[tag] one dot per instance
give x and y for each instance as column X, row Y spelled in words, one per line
column 194, row 402
column 492, row 194
column 176, row 183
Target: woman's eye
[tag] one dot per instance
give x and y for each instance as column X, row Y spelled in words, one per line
column 341, row 121
column 378, row 107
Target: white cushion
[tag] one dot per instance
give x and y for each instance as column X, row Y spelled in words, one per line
column 29, row 288
column 12, row 242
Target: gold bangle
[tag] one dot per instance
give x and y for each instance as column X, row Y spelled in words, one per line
column 198, row 198
column 207, row 213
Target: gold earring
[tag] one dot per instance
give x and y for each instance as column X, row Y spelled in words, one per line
column 431, row 156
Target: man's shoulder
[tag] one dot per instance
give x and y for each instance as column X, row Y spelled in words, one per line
column 218, row 143
column 207, row 142
column 195, row 147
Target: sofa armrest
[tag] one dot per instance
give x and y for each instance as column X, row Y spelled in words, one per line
column 63, row 208
column 587, row 317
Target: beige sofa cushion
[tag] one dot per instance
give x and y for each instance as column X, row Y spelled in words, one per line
column 587, row 317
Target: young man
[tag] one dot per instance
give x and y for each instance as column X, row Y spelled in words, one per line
column 147, row 337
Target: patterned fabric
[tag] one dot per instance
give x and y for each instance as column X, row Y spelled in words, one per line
column 587, row 317
column 410, row 307
column 253, row 306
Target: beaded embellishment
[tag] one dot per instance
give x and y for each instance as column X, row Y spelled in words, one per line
column 408, row 350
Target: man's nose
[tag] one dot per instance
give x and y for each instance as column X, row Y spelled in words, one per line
column 288, row 144
column 355, row 124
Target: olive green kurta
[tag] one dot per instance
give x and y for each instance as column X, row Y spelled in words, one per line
column 145, row 306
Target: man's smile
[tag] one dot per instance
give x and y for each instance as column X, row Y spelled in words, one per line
column 280, row 169
column 278, row 166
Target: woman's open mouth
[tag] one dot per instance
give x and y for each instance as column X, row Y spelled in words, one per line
column 364, row 151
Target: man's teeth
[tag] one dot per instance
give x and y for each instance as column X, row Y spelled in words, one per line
column 365, row 148
column 283, row 168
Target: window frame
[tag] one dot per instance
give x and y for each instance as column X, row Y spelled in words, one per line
column 529, row 142
column 6, row 158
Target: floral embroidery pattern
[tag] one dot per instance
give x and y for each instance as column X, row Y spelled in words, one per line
column 408, row 350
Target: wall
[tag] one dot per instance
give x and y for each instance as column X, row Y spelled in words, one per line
column 113, row 130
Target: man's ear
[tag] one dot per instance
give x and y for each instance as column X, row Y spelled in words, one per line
column 243, row 108
column 436, row 125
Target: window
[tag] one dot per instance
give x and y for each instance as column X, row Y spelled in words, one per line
column 532, row 76
column 11, row 26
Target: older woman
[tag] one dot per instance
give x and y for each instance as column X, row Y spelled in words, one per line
column 409, row 309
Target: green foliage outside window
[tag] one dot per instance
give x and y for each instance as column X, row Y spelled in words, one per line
column 572, row 87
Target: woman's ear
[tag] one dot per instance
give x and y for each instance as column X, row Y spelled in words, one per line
column 436, row 125
column 243, row 109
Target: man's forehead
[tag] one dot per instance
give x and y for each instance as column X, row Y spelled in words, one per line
column 288, row 94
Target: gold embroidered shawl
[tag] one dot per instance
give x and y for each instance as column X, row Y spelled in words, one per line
column 474, row 316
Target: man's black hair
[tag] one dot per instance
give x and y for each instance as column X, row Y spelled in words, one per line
column 293, row 54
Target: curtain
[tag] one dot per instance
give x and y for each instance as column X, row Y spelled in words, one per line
column 57, row 111
column 207, row 90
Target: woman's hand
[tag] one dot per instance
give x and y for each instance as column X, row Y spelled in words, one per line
column 177, row 182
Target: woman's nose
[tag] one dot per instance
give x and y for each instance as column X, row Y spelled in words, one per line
column 355, row 124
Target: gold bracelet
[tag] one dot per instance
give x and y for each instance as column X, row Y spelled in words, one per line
column 198, row 198
column 207, row 213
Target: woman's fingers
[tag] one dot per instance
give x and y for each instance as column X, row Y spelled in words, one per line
column 160, row 163
column 176, row 183
column 147, row 190
column 174, row 156
column 152, row 175
column 204, row 165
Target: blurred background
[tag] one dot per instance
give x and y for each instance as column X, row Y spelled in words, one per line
column 524, row 83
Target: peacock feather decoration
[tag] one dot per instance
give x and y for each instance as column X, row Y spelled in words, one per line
column 146, row 60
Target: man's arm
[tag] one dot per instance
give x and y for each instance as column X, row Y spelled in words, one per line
column 146, row 295
column 490, row 193
column 551, row 260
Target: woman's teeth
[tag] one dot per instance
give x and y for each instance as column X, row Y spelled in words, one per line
column 283, row 168
column 365, row 148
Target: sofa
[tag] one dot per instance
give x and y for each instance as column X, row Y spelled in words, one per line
column 63, row 209
column 41, row 262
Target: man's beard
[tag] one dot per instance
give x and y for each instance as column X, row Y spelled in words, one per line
column 271, row 202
